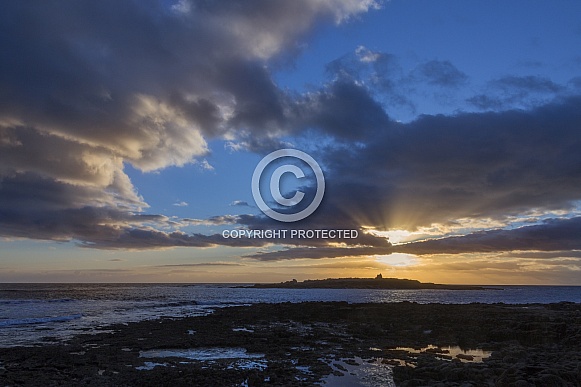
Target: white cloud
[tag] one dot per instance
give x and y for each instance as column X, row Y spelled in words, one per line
column 367, row 56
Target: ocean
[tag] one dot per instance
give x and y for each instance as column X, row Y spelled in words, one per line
column 33, row 314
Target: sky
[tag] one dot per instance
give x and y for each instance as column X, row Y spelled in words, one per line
column 448, row 134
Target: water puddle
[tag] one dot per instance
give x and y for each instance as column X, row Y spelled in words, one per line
column 245, row 364
column 378, row 371
column 359, row 373
column 202, row 354
column 148, row 365
column 447, row 353
column 243, row 330
column 240, row 358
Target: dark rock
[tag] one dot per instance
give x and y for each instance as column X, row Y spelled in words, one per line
column 305, row 335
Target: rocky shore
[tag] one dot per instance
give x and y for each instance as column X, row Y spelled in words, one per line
column 319, row 343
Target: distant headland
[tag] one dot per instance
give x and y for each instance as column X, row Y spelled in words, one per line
column 364, row 283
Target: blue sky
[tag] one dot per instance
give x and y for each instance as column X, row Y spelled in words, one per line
column 447, row 132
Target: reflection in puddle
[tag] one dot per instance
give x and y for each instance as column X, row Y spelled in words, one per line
column 243, row 330
column 202, row 354
column 240, row 358
column 448, row 353
column 245, row 364
column 377, row 371
column 359, row 373
column 148, row 365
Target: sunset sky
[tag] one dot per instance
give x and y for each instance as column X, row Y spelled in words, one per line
column 449, row 134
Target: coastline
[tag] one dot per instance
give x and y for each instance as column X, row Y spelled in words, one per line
column 302, row 344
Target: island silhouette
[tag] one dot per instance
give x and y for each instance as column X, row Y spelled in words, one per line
column 364, row 283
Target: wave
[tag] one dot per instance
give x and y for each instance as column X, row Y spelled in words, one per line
column 38, row 320
column 35, row 301
column 177, row 303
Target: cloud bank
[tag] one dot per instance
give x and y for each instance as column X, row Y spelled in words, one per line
column 86, row 88
column 82, row 96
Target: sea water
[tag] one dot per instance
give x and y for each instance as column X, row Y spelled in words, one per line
column 31, row 314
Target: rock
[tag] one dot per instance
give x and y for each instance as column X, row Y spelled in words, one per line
column 309, row 335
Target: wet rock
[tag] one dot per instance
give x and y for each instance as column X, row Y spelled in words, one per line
column 533, row 346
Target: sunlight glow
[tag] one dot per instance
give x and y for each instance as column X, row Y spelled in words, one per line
column 398, row 259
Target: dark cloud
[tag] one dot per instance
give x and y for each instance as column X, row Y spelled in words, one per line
column 485, row 102
column 380, row 71
column 441, row 168
column 247, row 141
column 383, row 71
column 150, row 93
column 552, row 239
column 140, row 239
column 38, row 207
column 440, row 73
column 319, row 252
column 545, row 254
column 86, row 87
column 344, row 110
column 516, row 91
column 367, row 64
column 34, row 208
column 528, row 83
column 551, row 235
column 396, row 87
column 323, row 219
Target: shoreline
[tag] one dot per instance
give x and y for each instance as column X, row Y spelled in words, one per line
column 302, row 344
